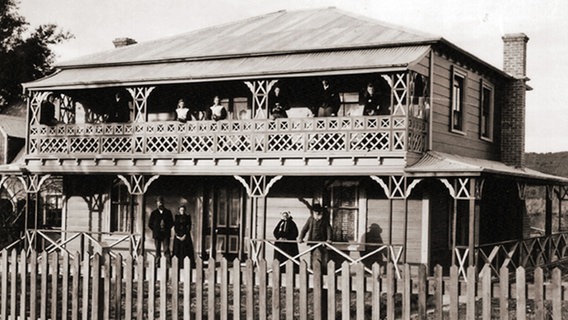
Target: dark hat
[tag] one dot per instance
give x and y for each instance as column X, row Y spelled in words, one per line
column 318, row 207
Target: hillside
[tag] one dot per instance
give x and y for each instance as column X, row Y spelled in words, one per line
column 552, row 163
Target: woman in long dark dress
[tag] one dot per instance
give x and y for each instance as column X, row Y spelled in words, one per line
column 286, row 229
column 183, row 245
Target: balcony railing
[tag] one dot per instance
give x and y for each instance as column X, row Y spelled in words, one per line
column 282, row 137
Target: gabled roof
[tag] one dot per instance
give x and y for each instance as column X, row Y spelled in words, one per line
column 13, row 126
column 435, row 163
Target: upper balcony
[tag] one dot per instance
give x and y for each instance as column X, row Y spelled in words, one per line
column 350, row 143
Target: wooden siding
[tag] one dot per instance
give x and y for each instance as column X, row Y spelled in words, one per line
column 469, row 142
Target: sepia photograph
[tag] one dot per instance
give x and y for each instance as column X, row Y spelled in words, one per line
column 260, row 159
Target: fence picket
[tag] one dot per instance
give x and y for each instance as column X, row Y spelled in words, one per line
column 391, row 291
column 151, row 287
column 317, row 290
column 4, row 285
column 303, row 286
column 521, row 294
column 422, row 289
column 96, row 287
column 454, row 292
column 128, row 286
column 23, row 287
column 406, row 292
column 470, row 304
column 44, row 272
column 486, row 292
column 556, row 294
column 211, row 279
column 345, row 291
column 224, row 288
column 237, row 279
column 261, row 284
column 64, row 286
column 376, row 294
column 198, row 288
column 33, row 287
column 290, row 289
column 174, row 270
column 54, row 267
column 438, row 292
column 140, row 267
column 249, row 276
column 331, row 288
column 163, row 279
column 538, row 294
column 118, row 274
column 106, row 302
column 275, row 290
column 14, row 283
column 360, row 291
column 186, row 288
column 76, row 269
column 504, row 293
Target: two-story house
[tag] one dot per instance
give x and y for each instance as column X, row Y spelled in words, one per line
column 439, row 170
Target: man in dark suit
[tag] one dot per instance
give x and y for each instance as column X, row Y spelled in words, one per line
column 120, row 110
column 161, row 222
column 329, row 101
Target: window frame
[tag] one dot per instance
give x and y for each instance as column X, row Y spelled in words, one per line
column 458, row 73
column 489, row 123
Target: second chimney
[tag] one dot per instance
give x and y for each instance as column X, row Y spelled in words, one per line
column 513, row 111
column 123, row 42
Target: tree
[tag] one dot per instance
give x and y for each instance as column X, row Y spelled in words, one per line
column 24, row 55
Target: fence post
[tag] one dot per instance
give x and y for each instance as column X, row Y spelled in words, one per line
column 163, row 278
column 43, row 288
column 360, row 290
column 276, row 290
column 317, row 290
column 303, row 290
column 174, row 271
column 96, row 288
column 407, row 292
column 140, row 268
column 262, row 305
column 224, row 289
column 198, row 288
column 376, row 294
column 33, row 287
column 151, row 285
column 128, row 294
column 76, row 268
column 211, row 280
column 118, row 284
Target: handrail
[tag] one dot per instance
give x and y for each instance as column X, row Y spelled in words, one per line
column 360, row 135
column 393, row 252
column 133, row 239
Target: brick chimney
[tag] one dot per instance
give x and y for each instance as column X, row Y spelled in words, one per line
column 513, row 111
column 123, row 42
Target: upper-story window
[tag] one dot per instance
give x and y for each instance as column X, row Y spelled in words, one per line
column 486, row 111
column 458, row 101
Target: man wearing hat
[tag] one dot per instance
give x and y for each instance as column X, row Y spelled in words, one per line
column 318, row 229
column 161, row 223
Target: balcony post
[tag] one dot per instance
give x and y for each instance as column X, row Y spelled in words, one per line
column 140, row 99
column 260, row 90
column 67, row 113
column 399, row 93
column 32, row 185
column 257, row 188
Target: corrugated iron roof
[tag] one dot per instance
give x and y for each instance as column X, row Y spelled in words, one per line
column 442, row 164
column 13, row 126
column 236, row 68
column 282, row 31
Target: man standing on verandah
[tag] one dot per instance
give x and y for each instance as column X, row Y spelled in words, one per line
column 161, row 223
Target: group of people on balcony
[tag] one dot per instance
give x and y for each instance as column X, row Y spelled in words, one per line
column 374, row 100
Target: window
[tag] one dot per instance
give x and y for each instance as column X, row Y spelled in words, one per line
column 344, row 210
column 458, row 99
column 53, row 208
column 121, row 208
column 486, row 112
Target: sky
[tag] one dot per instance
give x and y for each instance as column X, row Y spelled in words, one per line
column 475, row 26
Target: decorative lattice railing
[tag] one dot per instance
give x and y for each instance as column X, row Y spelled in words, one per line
column 342, row 135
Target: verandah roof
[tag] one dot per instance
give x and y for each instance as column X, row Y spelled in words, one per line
column 441, row 164
column 267, row 66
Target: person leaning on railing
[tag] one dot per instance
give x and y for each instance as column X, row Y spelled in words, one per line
column 317, row 228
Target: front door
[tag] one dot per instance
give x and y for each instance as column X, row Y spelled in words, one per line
column 224, row 209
